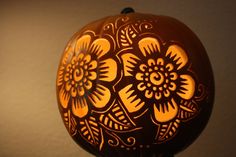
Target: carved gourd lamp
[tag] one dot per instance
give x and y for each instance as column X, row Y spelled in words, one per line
column 135, row 85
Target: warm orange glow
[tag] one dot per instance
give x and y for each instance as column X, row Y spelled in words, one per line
column 156, row 78
column 81, row 72
column 149, row 45
column 132, row 103
column 188, row 87
column 108, row 70
column 179, row 55
column 166, row 112
column 110, row 84
column 128, row 63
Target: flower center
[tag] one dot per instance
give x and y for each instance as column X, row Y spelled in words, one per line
column 157, row 78
column 78, row 74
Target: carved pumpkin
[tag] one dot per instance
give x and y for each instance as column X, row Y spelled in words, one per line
column 135, row 84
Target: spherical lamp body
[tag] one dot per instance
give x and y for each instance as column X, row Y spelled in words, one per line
column 135, row 85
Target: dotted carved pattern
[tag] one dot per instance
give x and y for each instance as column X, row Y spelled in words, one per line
column 107, row 84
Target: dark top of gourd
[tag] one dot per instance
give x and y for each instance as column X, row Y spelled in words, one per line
column 127, row 10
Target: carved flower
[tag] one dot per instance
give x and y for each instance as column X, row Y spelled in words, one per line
column 160, row 79
column 82, row 74
column 157, row 79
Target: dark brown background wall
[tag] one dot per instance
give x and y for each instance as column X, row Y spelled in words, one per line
column 33, row 35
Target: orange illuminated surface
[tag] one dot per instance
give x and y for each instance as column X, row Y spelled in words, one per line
column 114, row 86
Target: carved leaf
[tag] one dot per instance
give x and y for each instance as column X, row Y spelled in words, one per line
column 116, row 119
column 90, row 131
column 188, row 109
column 70, row 122
column 167, row 130
column 126, row 36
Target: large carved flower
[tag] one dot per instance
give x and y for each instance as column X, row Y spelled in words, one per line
column 82, row 74
column 160, row 79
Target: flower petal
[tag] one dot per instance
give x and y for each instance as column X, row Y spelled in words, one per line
column 151, row 62
column 100, row 96
column 108, row 70
column 178, row 55
column 73, row 92
column 148, row 94
column 187, row 87
column 81, row 91
column 143, row 67
column 166, row 93
column 82, row 43
column 131, row 101
column 67, row 55
column 60, row 75
column 68, row 86
column 166, row 112
column 88, row 85
column 92, row 65
column 129, row 62
column 100, row 47
column 68, row 67
column 160, row 61
column 173, row 76
column 169, row 67
column 64, row 97
column 80, row 56
column 66, row 77
column 172, row 86
column 158, row 95
column 87, row 58
column 141, row 86
column 73, row 60
column 79, row 107
column 149, row 45
column 139, row 76
column 92, row 75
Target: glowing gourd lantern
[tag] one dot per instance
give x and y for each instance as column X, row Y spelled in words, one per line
column 135, row 85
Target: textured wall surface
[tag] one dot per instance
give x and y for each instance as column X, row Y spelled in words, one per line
column 33, row 35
